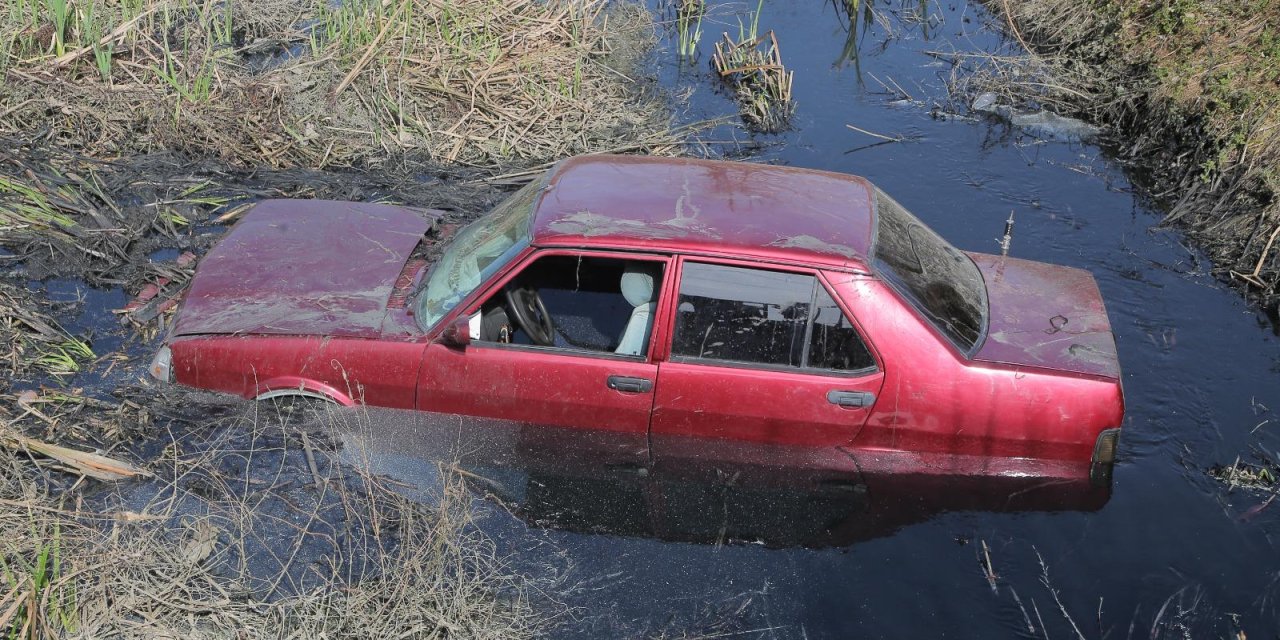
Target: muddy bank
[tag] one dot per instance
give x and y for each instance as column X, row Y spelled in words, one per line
column 1190, row 93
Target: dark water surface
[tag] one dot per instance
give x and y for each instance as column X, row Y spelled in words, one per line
column 1172, row 554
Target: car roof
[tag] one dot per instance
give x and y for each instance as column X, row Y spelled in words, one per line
column 707, row 206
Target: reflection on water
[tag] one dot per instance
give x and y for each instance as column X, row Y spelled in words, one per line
column 847, row 11
column 568, row 480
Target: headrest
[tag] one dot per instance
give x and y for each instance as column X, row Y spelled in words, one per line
column 638, row 280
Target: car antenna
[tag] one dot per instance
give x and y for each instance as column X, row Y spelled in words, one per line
column 1008, row 236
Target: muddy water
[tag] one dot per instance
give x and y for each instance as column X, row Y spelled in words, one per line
column 1171, row 554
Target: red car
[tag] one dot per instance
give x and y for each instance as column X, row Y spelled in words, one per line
column 669, row 308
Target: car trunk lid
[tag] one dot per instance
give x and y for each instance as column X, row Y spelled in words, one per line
column 1046, row 316
column 304, row 267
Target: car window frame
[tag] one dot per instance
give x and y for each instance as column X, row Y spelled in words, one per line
column 517, row 266
column 671, row 311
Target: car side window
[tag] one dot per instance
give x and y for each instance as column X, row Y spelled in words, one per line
column 834, row 343
column 756, row 316
column 578, row 303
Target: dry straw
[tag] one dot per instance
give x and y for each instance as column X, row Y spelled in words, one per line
column 314, row 83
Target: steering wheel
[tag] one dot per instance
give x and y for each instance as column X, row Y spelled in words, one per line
column 531, row 314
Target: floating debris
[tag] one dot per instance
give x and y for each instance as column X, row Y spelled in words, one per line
column 1042, row 123
column 1247, row 475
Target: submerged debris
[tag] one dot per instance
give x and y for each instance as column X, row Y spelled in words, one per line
column 1042, row 122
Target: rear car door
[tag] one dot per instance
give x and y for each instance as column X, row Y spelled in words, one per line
column 764, row 367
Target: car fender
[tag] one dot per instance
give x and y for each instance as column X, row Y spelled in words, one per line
column 286, row 386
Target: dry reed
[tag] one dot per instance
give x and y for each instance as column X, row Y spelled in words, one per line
column 281, row 83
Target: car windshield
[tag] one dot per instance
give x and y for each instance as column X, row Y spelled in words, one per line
column 475, row 253
column 938, row 279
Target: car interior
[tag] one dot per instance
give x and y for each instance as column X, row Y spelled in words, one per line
column 576, row 302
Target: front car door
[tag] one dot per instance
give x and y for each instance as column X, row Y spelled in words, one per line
column 581, row 399
column 765, row 369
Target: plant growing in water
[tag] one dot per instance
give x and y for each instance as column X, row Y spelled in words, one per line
column 689, row 16
column 752, row 65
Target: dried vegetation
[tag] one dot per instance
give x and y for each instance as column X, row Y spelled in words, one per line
column 247, row 529
column 313, row 83
column 1193, row 89
column 125, row 126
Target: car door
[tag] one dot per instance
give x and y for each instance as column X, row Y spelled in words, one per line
column 574, row 401
column 765, row 367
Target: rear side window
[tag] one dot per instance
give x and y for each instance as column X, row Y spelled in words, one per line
column 763, row 317
column 834, row 343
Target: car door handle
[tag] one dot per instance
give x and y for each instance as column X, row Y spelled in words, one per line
column 851, row 399
column 627, row 384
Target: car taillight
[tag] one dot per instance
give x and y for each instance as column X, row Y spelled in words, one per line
column 1104, row 457
column 162, row 365
column 1104, row 451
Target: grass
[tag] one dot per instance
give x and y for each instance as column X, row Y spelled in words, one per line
column 22, row 204
column 41, row 602
column 689, row 15
column 316, row 84
column 1194, row 88
column 64, row 358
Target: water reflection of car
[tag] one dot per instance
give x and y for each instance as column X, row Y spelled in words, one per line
column 772, row 509
column 683, row 308
column 561, row 478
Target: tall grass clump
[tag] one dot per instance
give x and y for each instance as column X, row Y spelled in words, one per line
column 689, row 15
column 752, row 66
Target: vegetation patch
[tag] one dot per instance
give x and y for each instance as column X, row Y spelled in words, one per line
column 1191, row 87
column 752, row 66
column 315, row 83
